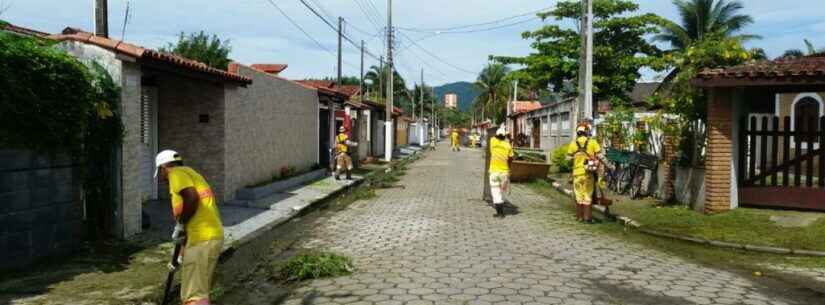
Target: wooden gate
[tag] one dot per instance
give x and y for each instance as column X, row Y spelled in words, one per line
column 782, row 167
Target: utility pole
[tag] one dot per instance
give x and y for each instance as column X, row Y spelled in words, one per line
column 421, row 117
column 583, row 109
column 361, row 83
column 388, row 148
column 102, row 18
column 340, row 33
column 380, row 77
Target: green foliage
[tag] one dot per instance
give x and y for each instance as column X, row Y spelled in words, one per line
column 201, row 47
column 810, row 49
column 715, row 51
column 493, row 85
column 453, row 117
column 377, row 83
column 559, row 159
column 47, row 96
column 345, row 80
column 52, row 104
column 315, row 265
column 701, row 18
column 621, row 49
column 615, row 127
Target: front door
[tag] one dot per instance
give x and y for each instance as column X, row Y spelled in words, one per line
column 323, row 138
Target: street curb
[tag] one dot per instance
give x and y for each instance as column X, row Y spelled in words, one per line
column 627, row 221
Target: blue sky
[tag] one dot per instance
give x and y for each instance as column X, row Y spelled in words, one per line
column 260, row 34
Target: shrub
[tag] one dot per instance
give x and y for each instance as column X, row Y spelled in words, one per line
column 314, row 265
column 559, row 159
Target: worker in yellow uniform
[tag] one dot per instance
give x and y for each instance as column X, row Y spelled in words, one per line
column 454, row 140
column 342, row 159
column 198, row 226
column 587, row 156
column 474, row 139
column 501, row 156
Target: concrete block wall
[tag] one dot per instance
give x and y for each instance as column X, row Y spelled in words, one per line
column 182, row 104
column 269, row 124
column 41, row 214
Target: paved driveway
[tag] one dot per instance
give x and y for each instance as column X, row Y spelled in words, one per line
column 435, row 242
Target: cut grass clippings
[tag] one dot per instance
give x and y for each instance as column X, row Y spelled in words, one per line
column 315, row 265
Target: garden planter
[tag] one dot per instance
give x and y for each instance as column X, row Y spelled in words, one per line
column 521, row 171
column 255, row 193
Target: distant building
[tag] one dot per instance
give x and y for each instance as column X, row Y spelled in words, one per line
column 451, row 100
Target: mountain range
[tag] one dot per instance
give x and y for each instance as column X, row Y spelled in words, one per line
column 465, row 90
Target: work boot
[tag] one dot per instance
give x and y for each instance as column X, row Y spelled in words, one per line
column 349, row 176
column 337, row 177
column 500, row 210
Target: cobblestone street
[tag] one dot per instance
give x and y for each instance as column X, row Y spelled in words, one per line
column 436, row 242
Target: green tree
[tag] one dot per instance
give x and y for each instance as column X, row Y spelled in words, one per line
column 797, row 53
column 700, row 18
column 620, row 51
column 378, row 78
column 492, row 82
column 345, row 80
column 201, row 47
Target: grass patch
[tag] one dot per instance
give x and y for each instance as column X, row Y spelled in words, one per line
column 315, row 265
column 742, row 225
column 743, row 261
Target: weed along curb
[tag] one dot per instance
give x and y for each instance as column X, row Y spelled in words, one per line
column 713, row 243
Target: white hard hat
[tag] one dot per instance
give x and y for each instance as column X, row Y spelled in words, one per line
column 342, row 129
column 501, row 131
column 165, row 157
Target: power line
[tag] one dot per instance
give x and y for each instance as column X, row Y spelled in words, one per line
column 448, row 29
column 492, row 28
column 437, row 57
column 363, row 7
column 378, row 16
column 304, row 31
column 334, row 28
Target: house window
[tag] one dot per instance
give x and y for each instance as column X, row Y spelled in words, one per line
column 565, row 120
column 544, row 124
column 554, row 122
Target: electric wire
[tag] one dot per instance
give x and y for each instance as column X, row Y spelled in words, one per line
column 414, row 43
column 298, row 26
column 334, row 28
column 449, row 29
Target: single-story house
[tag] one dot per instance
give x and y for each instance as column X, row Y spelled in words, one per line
column 167, row 102
column 517, row 123
column 765, row 128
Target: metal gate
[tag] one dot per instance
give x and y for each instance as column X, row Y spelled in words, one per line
column 782, row 167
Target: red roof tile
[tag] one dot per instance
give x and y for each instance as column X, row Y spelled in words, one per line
column 519, row 107
column 809, row 68
column 269, row 68
column 23, row 31
column 71, row 34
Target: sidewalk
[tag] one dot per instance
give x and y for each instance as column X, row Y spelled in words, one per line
column 131, row 272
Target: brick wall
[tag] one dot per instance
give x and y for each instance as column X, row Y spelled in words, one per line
column 182, row 104
column 719, row 152
column 269, row 124
column 40, row 210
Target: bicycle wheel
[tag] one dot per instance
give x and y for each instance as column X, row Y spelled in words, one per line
column 636, row 187
column 625, row 180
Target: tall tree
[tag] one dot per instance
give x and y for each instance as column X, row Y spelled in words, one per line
column 492, row 82
column 700, row 18
column 621, row 49
column 201, row 47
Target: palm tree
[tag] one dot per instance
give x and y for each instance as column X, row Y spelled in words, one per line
column 705, row 17
column 797, row 53
column 378, row 78
column 493, row 86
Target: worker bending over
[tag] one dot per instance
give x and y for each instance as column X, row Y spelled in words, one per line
column 198, row 226
column 501, row 156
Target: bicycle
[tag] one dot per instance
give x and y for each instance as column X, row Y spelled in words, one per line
column 633, row 176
